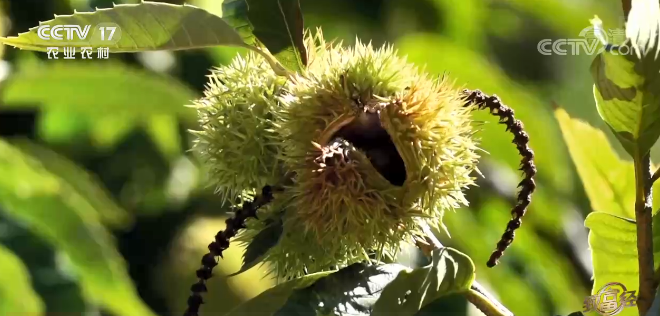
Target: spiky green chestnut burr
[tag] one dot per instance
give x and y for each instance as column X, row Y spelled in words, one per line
column 374, row 145
column 237, row 138
column 370, row 145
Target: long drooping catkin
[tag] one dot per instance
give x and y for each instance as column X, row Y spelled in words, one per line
column 221, row 243
column 521, row 140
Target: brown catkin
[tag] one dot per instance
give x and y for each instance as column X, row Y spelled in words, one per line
column 221, row 243
column 521, row 140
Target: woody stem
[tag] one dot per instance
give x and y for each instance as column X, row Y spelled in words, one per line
column 643, row 217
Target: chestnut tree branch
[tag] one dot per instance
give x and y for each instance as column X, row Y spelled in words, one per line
column 656, row 176
column 644, row 219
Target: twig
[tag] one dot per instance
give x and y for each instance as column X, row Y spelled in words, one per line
column 477, row 295
column 643, row 216
column 221, row 243
column 656, row 176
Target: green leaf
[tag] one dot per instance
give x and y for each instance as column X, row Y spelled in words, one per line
column 147, row 26
column 268, row 302
column 608, row 181
column 350, row 291
column 110, row 89
column 87, row 185
column 627, row 93
column 141, row 27
column 277, row 24
column 16, row 293
column 267, row 238
column 450, row 272
column 115, row 99
column 613, row 244
column 54, row 210
column 235, row 12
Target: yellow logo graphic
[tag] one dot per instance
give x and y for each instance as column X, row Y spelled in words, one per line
column 610, row 300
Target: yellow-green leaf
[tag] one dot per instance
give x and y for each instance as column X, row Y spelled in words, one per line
column 17, row 297
column 608, row 180
column 54, row 210
column 613, row 244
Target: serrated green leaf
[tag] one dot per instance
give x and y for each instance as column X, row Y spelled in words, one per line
column 141, row 27
column 146, row 26
column 278, row 25
column 110, row 89
column 85, row 184
column 16, row 293
column 627, row 93
column 450, row 272
column 613, row 244
column 267, row 238
column 54, row 210
column 608, row 180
